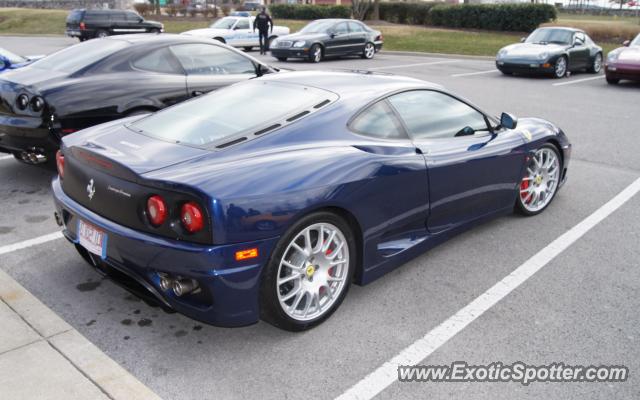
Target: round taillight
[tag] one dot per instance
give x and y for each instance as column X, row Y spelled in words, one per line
column 191, row 217
column 37, row 104
column 60, row 163
column 156, row 210
column 22, row 101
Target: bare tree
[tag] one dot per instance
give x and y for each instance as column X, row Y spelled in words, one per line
column 360, row 8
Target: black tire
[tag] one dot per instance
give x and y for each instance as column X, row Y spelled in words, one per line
column 613, row 81
column 270, row 309
column 101, row 33
column 247, row 48
column 314, row 56
column 82, row 39
column 154, row 30
column 556, row 73
column 519, row 207
column 219, row 39
column 596, row 66
column 369, row 51
column 283, row 59
column 505, row 72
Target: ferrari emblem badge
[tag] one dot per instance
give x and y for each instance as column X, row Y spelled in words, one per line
column 310, row 271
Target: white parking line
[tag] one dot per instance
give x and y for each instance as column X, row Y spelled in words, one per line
column 416, row 65
column 578, row 81
column 475, row 73
column 5, row 157
column 31, row 242
column 387, row 373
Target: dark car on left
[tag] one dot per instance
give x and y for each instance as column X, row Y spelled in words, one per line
column 88, row 24
column 103, row 80
column 328, row 38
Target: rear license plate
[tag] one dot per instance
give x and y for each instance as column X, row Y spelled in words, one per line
column 92, row 239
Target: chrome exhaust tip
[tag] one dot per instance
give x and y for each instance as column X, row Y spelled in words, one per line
column 166, row 283
column 184, row 286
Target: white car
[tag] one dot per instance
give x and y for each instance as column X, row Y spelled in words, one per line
column 236, row 32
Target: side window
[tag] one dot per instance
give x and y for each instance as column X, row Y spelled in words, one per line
column 355, row 27
column 205, row 59
column 160, row 60
column 117, row 17
column 433, row 115
column 341, row 28
column 242, row 24
column 580, row 37
column 378, row 121
column 132, row 17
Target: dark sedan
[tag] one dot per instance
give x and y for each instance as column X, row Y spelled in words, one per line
column 268, row 198
column 624, row 62
column 328, row 38
column 106, row 79
column 551, row 51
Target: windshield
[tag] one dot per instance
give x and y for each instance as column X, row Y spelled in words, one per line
column 550, row 35
column 13, row 58
column 319, row 26
column 247, row 107
column 636, row 41
column 81, row 55
column 224, row 23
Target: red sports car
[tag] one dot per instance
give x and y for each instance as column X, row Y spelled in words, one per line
column 624, row 62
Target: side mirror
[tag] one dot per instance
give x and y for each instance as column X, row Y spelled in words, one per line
column 466, row 131
column 4, row 63
column 140, row 20
column 626, row 43
column 508, row 121
column 522, row 39
column 332, row 35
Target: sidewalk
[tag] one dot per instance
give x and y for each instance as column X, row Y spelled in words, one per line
column 43, row 357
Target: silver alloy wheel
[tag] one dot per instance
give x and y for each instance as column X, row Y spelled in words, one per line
column 102, row 34
column 541, row 181
column 317, row 54
column 313, row 271
column 369, row 50
column 561, row 67
column 597, row 63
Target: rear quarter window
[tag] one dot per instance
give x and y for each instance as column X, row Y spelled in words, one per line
column 75, row 16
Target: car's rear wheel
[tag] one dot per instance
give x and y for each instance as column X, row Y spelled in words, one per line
column 540, row 182
column 154, row 30
column 369, row 51
column 101, row 33
column 315, row 53
column 560, row 69
column 309, row 272
column 613, row 81
column 596, row 66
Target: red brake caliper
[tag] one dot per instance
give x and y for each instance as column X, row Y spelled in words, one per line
column 524, row 185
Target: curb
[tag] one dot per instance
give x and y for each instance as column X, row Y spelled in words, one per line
column 439, row 55
column 116, row 382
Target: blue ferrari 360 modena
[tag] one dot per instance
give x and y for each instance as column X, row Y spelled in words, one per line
column 268, row 198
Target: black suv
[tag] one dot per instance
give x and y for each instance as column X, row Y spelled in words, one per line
column 87, row 24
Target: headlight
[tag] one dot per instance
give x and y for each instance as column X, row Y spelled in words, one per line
column 543, row 55
column 613, row 56
column 502, row 53
column 299, row 43
column 22, row 101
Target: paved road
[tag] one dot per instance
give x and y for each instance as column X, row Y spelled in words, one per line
column 581, row 308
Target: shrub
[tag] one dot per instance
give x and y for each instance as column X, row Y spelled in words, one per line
column 308, row 12
column 404, row 13
column 497, row 17
column 143, row 9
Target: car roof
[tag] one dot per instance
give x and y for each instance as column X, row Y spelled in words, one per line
column 365, row 85
column 159, row 38
column 564, row 28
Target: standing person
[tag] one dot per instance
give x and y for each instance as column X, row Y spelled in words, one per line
column 264, row 23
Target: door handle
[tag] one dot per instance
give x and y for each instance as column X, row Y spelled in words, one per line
column 197, row 93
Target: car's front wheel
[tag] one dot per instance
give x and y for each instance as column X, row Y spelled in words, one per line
column 560, row 69
column 315, row 53
column 613, row 81
column 369, row 51
column 540, row 182
column 101, row 33
column 282, row 59
column 309, row 272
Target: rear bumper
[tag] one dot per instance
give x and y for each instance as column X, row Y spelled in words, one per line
column 25, row 134
column 229, row 293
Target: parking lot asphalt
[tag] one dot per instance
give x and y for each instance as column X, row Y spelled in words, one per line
column 581, row 308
